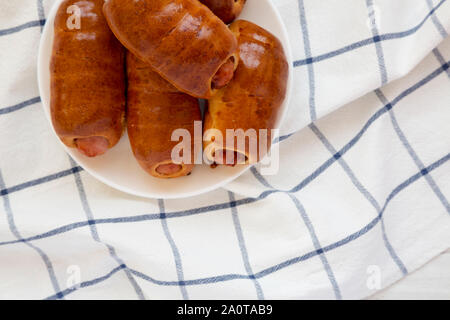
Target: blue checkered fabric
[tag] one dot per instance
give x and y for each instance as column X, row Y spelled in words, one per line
column 360, row 201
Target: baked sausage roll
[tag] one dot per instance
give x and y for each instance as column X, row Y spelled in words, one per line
column 87, row 79
column 227, row 10
column 180, row 39
column 155, row 110
column 251, row 101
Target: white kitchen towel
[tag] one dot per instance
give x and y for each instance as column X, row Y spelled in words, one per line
column 360, row 201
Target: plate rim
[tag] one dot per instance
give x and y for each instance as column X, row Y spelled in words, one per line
column 48, row 33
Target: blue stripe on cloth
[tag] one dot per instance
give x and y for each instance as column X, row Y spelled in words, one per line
column 30, row 24
column 440, row 58
column 282, row 138
column 413, row 154
column 85, row 284
column 312, row 233
column 365, row 229
column 384, row 79
column 442, row 32
column 20, row 105
column 94, row 232
column 175, row 251
column 41, row 11
column 444, row 35
column 32, row 183
column 317, row 246
column 365, row 42
column 227, row 205
column 292, row 261
column 195, row 282
column 308, row 54
column 378, row 47
column 242, row 246
column 16, row 233
column 436, row 21
column 364, row 192
column 371, row 120
column 260, row 178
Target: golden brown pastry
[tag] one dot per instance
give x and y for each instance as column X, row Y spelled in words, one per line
column 87, row 79
column 155, row 110
column 253, row 98
column 181, row 39
column 227, row 10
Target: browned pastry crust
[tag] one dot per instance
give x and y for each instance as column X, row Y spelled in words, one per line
column 87, row 76
column 181, row 39
column 227, row 10
column 155, row 110
column 253, row 98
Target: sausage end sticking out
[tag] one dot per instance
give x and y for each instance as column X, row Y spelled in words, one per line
column 227, row 157
column 92, row 146
column 225, row 73
column 169, row 169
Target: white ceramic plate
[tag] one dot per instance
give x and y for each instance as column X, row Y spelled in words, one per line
column 118, row 167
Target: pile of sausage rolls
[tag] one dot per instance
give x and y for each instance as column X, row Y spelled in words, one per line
column 144, row 65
